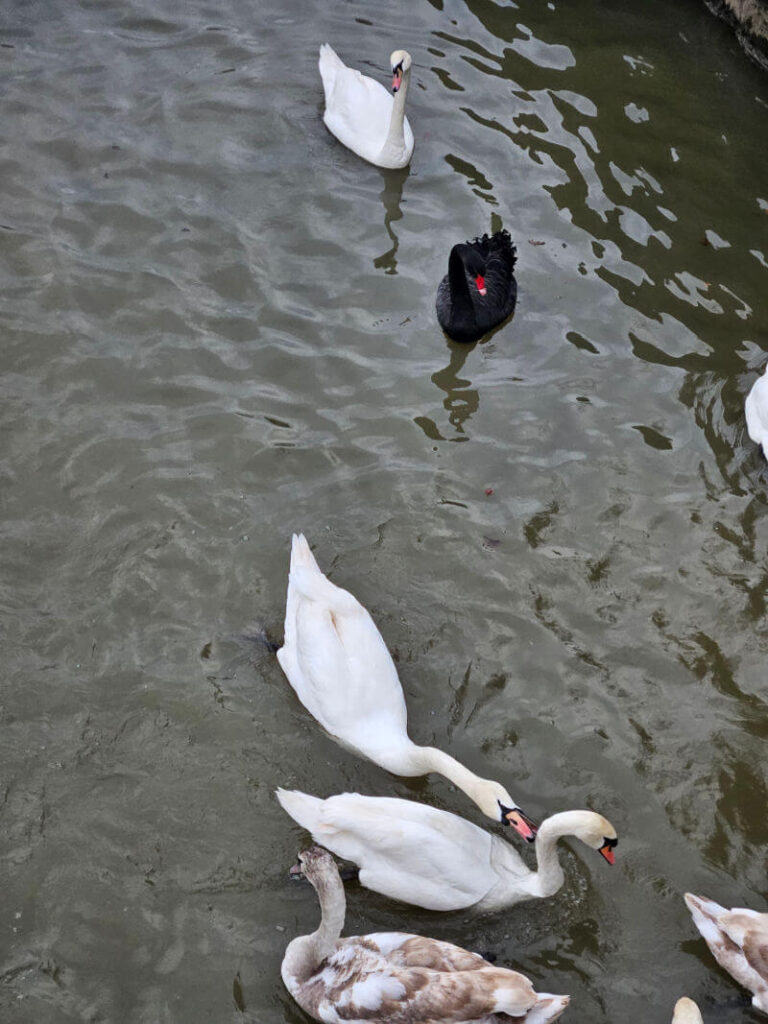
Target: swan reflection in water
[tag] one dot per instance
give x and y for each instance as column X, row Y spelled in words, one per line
column 391, row 196
column 461, row 400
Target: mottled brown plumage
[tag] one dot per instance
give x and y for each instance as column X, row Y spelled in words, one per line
column 398, row 978
column 738, row 940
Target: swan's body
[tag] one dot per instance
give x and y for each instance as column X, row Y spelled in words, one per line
column 397, row 978
column 362, row 114
column 686, row 1012
column 433, row 859
column 756, row 412
column 339, row 666
column 479, row 291
column 738, row 940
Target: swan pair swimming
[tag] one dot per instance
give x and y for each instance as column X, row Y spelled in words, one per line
column 479, row 291
column 338, row 664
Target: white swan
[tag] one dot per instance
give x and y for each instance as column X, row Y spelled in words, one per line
column 339, row 666
column 756, row 412
column 686, row 1012
column 362, row 114
column 397, row 978
column 434, row 859
column 738, row 940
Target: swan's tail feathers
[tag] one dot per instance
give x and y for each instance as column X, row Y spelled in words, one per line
column 705, row 915
column 303, row 808
column 547, row 1008
column 310, row 583
column 499, row 246
column 301, row 553
column 329, row 65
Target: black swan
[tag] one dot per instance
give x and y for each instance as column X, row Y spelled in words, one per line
column 479, row 291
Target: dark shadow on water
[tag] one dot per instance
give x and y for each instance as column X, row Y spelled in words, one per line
column 391, row 196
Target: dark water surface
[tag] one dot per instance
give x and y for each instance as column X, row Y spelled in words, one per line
column 218, row 328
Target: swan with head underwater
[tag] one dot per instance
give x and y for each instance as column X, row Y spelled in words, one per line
column 363, row 114
column 433, row 859
column 338, row 664
column 396, row 977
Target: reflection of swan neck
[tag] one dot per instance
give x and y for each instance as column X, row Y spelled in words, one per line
column 396, row 134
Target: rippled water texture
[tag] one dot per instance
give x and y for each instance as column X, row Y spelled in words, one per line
column 218, row 328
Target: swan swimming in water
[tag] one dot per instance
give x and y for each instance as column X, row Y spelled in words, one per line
column 738, row 940
column 479, row 291
column 338, row 664
column 398, row 978
column 433, row 859
column 362, row 114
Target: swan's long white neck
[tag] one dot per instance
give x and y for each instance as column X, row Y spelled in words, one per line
column 395, row 140
column 307, row 952
column 549, row 874
column 430, row 759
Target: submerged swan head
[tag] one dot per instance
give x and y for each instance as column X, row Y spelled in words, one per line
column 400, row 62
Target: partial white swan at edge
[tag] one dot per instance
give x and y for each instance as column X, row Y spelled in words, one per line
column 756, row 412
column 338, row 664
column 686, row 1012
column 738, row 940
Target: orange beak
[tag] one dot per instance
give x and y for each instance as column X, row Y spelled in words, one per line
column 480, row 282
column 607, row 851
column 397, row 79
column 521, row 823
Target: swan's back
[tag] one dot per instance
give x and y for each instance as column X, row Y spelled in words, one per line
column 337, row 662
column 358, row 109
column 407, row 850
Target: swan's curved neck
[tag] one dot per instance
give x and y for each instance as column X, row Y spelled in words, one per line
column 307, row 952
column 549, row 874
column 430, row 759
column 457, row 279
column 396, row 135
